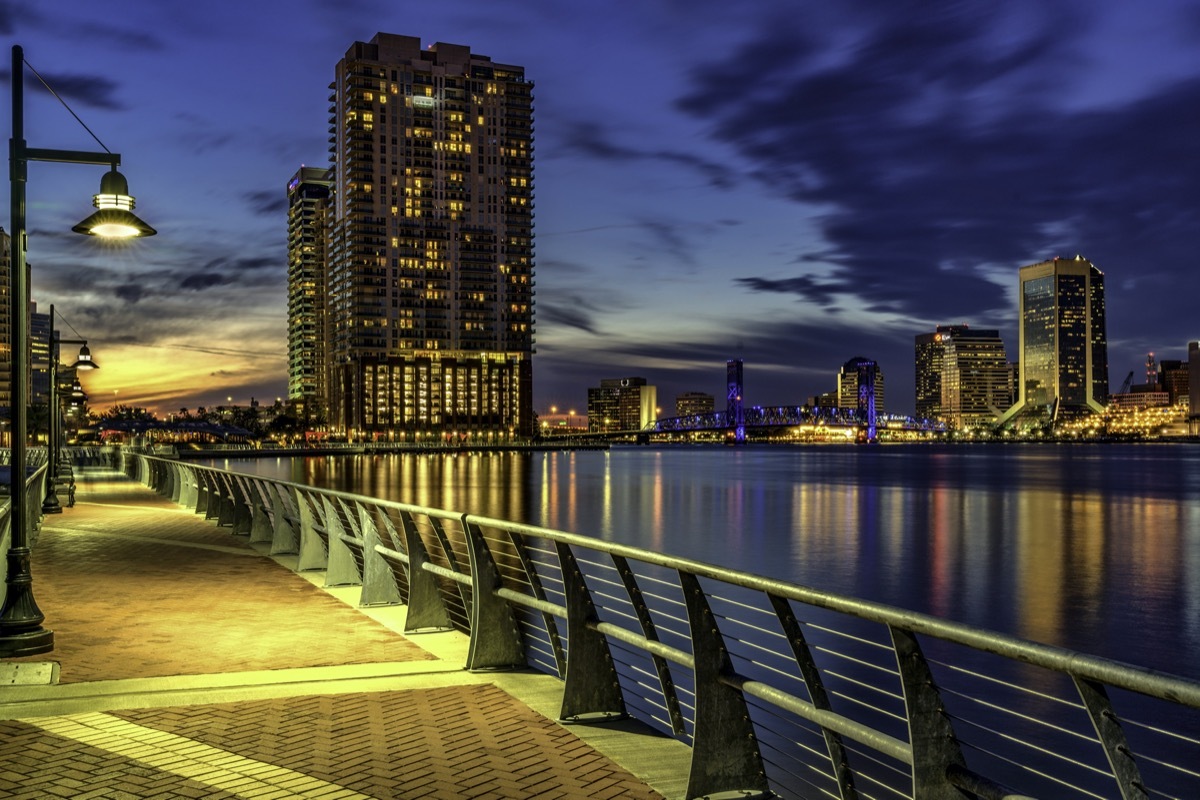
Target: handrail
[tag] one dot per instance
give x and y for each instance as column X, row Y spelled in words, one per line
column 35, row 490
column 774, row 685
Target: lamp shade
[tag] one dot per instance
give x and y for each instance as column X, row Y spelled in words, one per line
column 114, row 217
column 85, row 359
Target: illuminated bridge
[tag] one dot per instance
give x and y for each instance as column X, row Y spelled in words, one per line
column 863, row 419
column 757, row 417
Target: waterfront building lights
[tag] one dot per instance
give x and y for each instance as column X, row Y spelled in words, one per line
column 21, row 631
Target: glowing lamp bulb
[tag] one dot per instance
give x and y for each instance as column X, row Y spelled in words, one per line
column 114, row 217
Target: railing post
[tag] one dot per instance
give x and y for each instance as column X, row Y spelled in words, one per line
column 176, row 482
column 816, row 691
column 439, row 532
column 243, row 515
column 284, row 536
column 426, row 608
column 935, row 748
column 592, row 691
column 378, row 586
column 341, row 568
column 539, row 592
column 1112, row 737
column 725, row 754
column 212, row 507
column 188, row 494
column 495, row 638
column 313, row 553
column 202, row 492
column 261, row 530
column 223, row 483
column 661, row 667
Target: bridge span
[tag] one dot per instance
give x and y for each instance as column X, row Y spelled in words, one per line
column 759, row 417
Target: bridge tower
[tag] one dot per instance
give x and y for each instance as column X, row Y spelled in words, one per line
column 866, row 397
column 734, row 414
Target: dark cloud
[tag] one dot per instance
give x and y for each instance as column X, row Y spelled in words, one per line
column 87, row 90
column 806, row 286
column 670, row 238
column 590, row 140
column 242, row 263
column 266, row 203
column 575, row 315
column 124, row 38
column 947, row 147
column 130, row 292
column 199, row 135
column 204, row 280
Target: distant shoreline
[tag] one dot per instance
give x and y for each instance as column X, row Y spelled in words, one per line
column 442, row 449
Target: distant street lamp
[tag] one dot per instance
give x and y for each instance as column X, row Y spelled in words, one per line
column 21, row 631
column 51, row 504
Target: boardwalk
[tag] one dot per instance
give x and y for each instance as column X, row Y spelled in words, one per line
column 189, row 664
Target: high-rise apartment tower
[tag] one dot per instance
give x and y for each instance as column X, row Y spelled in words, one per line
column 429, row 284
column 308, row 202
column 1063, row 348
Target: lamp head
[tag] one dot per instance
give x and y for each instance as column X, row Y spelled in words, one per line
column 85, row 359
column 114, row 218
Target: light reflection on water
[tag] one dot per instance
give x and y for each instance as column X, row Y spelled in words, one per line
column 1093, row 547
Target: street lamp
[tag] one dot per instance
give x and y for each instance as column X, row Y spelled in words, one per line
column 51, row 504
column 21, row 631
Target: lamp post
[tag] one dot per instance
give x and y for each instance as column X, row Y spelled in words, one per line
column 51, row 504
column 21, row 631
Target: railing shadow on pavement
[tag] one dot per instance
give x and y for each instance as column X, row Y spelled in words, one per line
column 779, row 689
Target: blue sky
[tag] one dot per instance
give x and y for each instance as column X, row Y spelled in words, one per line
column 793, row 184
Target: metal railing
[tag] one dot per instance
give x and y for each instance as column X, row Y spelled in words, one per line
column 778, row 688
column 35, row 490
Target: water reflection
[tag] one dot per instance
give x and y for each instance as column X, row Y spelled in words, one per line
column 1096, row 548
column 492, row 484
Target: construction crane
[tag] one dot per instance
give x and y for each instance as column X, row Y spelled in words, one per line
column 1126, row 384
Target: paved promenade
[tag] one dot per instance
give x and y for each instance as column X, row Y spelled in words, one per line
column 188, row 664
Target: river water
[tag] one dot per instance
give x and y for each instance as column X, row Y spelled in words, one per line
column 1092, row 547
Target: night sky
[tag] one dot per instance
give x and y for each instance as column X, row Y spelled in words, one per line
column 789, row 183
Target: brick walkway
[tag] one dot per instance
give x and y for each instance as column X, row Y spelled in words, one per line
column 192, row 665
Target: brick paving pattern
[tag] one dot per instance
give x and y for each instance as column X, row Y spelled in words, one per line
column 35, row 765
column 136, row 587
column 453, row 742
column 155, row 607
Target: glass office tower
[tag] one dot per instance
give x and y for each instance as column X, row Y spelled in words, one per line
column 1063, row 347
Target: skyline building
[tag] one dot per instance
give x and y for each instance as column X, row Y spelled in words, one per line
column 927, row 373
column 308, row 201
column 39, row 355
column 853, row 375
column 1173, row 378
column 621, row 404
column 1194, row 388
column 962, row 376
column 429, row 275
column 1063, row 349
column 691, row 404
